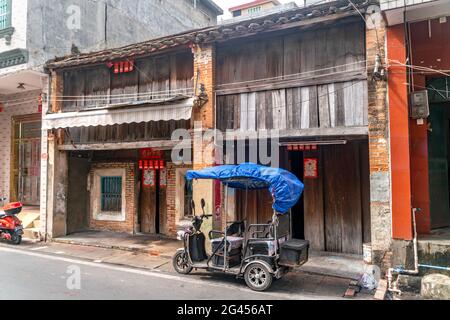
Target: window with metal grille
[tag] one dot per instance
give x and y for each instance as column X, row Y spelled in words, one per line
column 111, row 195
column 5, row 14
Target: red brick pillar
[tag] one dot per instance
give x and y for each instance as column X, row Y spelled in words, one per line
column 204, row 118
column 379, row 152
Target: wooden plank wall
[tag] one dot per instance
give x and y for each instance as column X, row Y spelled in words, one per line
column 302, row 80
column 337, row 209
column 326, row 106
column 161, row 130
column 299, row 52
column 153, row 78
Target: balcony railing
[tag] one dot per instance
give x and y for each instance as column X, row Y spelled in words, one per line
column 95, row 102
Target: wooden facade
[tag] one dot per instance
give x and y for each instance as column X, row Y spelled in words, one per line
column 153, row 78
column 307, row 85
column 310, row 79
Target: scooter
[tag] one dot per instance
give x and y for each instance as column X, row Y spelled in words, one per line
column 11, row 228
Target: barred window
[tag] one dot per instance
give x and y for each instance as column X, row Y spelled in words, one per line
column 111, row 194
column 5, row 14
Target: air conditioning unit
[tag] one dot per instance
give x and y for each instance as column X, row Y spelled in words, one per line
column 419, row 106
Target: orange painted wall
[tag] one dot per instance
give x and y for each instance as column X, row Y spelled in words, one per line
column 419, row 168
column 399, row 137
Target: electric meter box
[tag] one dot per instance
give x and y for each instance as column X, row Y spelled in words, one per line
column 420, row 108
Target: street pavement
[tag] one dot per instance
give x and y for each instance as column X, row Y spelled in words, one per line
column 68, row 272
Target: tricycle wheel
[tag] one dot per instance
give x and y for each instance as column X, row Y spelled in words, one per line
column 181, row 263
column 258, row 277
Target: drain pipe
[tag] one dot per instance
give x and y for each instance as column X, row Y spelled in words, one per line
column 434, row 267
column 392, row 286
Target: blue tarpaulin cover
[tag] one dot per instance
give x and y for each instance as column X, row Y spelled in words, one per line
column 285, row 187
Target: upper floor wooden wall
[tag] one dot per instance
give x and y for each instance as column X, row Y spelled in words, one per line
column 332, row 49
column 300, row 80
column 157, row 77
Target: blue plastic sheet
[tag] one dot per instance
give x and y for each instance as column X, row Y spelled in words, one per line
column 284, row 186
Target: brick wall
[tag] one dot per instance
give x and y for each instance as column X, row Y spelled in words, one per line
column 171, row 227
column 204, row 70
column 379, row 147
column 130, row 200
column 173, row 216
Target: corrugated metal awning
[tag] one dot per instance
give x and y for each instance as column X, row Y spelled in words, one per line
column 181, row 110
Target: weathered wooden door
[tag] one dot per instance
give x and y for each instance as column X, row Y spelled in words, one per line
column 148, row 202
column 153, row 206
column 77, row 195
column 337, row 202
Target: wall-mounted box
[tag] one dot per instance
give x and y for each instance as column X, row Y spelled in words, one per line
column 419, row 105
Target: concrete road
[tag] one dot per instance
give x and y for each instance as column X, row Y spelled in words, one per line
column 36, row 275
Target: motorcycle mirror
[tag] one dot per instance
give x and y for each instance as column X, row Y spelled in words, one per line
column 193, row 206
column 203, row 203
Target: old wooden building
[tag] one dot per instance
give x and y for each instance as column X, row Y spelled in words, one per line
column 113, row 121
column 306, row 73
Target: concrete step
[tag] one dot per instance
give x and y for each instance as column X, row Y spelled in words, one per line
column 28, row 218
column 434, row 253
column 31, row 233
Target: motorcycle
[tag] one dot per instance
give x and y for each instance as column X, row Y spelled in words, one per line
column 11, row 228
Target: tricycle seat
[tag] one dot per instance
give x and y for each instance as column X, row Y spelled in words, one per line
column 233, row 243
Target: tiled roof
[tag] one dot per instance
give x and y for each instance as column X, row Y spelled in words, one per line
column 221, row 32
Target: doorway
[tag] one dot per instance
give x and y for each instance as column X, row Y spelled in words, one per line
column 26, row 160
column 298, row 211
column 439, row 159
column 153, row 209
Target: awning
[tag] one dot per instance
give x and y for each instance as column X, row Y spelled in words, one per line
column 181, row 110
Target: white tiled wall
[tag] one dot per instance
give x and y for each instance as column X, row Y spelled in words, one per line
column 14, row 109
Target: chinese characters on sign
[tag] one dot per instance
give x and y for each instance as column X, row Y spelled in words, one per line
column 311, row 168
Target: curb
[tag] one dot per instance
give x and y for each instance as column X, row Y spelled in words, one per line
column 151, row 252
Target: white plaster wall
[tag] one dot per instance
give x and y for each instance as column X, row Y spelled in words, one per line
column 14, row 108
column 19, row 37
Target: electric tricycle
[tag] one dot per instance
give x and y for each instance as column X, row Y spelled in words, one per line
column 259, row 253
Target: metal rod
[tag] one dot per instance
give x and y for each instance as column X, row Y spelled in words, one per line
column 225, row 264
column 434, row 267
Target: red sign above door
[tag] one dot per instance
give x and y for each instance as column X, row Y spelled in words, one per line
column 151, row 154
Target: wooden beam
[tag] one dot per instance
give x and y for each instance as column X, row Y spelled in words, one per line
column 160, row 145
column 266, row 85
column 301, row 133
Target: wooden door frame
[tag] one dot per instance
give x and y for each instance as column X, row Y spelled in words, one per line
column 35, row 117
